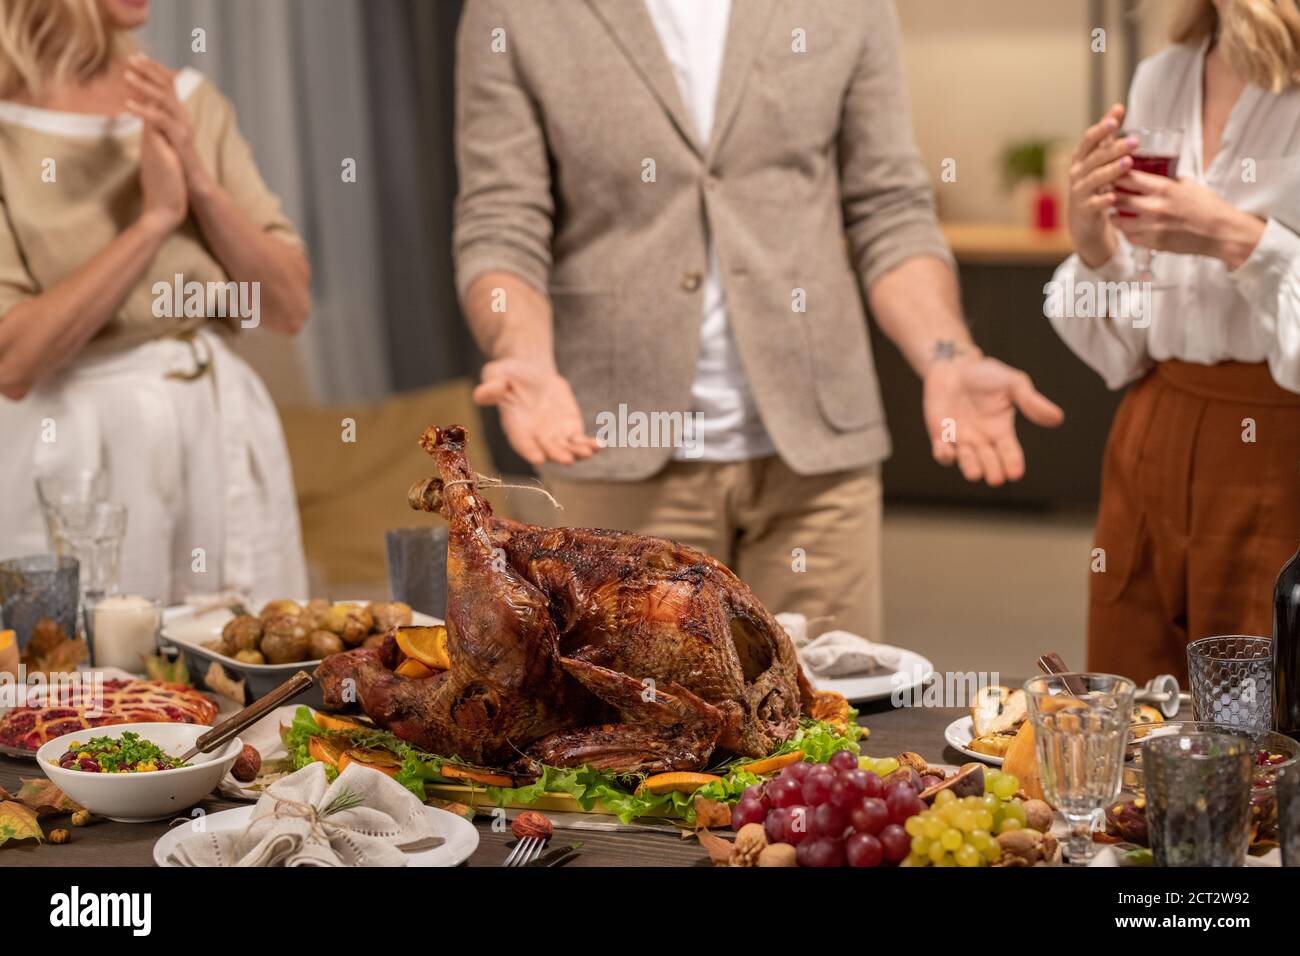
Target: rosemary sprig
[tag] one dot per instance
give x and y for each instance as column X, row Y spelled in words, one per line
column 343, row 800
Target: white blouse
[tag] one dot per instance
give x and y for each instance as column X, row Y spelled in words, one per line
column 1210, row 315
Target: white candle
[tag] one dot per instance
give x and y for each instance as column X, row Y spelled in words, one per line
column 124, row 630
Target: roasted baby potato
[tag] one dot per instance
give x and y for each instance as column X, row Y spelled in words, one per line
column 321, row 644
column 284, row 639
column 277, row 608
column 243, row 633
column 250, row 657
column 390, row 614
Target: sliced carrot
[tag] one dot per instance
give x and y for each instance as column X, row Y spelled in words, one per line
column 380, row 760
column 413, row 668
column 455, row 771
column 326, row 750
column 771, row 764
column 679, row 782
column 328, row 722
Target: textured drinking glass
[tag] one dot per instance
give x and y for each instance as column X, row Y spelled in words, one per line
column 92, row 533
column 1288, row 814
column 417, row 568
column 1081, row 724
column 1156, row 154
column 82, row 487
column 44, row 586
column 1198, row 798
column 1232, row 680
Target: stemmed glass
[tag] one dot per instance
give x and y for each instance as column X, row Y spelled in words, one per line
column 1157, row 152
column 1081, row 724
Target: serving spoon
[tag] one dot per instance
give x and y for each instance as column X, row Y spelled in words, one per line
column 229, row 728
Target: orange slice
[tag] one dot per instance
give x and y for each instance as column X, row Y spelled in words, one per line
column 380, row 760
column 487, row 778
column 428, row 645
column 413, row 668
column 679, row 782
column 772, row 764
column 329, row 722
column 326, row 750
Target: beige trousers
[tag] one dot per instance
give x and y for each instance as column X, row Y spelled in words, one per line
column 805, row 544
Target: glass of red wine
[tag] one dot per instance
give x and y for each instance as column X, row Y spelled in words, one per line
column 1156, row 153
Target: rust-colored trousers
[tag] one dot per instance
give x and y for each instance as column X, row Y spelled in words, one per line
column 1200, row 508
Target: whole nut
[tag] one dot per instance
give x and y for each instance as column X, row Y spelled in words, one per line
column 777, row 854
column 1038, row 815
column 530, row 823
column 59, row 836
column 1023, row 847
column 80, row 818
column 750, row 841
column 247, row 765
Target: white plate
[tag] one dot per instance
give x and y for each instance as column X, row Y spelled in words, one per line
column 460, row 836
column 959, row 735
column 913, row 671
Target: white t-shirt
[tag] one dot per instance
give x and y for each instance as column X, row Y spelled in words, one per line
column 694, row 37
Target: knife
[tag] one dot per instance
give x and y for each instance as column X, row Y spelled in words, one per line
column 557, row 856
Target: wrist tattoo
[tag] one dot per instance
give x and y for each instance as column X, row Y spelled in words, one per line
column 945, row 350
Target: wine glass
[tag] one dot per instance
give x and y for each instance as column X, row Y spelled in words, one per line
column 1156, row 153
column 1080, row 724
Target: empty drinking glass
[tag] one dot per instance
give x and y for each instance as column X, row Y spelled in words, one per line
column 1232, row 680
column 1081, row 724
column 1198, row 798
column 81, row 487
column 43, row 586
column 92, row 533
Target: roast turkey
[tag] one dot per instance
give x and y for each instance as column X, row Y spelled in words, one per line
column 575, row 646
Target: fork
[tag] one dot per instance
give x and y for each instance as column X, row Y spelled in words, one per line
column 525, row 851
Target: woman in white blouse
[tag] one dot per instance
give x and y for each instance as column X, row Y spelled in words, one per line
column 1200, row 501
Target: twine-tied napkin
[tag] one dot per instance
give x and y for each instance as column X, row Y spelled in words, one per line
column 363, row 818
column 838, row 653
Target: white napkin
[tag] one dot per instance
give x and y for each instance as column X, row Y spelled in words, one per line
column 287, row 828
column 838, row 653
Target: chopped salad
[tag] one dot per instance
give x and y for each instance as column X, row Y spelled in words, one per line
column 129, row 753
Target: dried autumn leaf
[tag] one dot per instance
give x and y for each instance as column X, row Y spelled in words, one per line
column 463, row 810
column 719, row 849
column 42, row 796
column 711, row 813
column 17, row 822
column 220, row 682
column 160, row 667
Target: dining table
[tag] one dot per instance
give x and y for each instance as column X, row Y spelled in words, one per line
column 892, row 730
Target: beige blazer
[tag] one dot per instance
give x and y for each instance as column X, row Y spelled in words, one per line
column 580, row 172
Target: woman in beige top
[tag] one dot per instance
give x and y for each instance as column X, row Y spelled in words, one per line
column 135, row 235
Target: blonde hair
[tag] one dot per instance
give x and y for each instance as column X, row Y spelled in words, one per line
column 1259, row 38
column 45, row 43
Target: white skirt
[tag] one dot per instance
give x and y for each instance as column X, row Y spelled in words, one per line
column 200, row 462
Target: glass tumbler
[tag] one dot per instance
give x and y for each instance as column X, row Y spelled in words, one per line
column 81, row 487
column 92, row 533
column 1198, row 798
column 1232, row 681
column 1081, row 724
column 36, row 588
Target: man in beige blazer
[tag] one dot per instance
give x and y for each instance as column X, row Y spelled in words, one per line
column 669, row 213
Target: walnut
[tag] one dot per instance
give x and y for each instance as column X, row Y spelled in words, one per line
column 1038, row 815
column 918, row 763
column 1026, row 847
column 530, row 823
column 750, row 841
column 777, row 854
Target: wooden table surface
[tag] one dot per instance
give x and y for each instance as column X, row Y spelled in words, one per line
column 105, row 843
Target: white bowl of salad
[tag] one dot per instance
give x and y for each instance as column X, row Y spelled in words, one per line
column 132, row 772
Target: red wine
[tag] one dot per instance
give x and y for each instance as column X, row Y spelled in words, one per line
column 1286, row 649
column 1155, row 166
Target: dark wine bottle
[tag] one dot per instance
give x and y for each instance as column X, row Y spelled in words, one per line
column 1286, row 649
